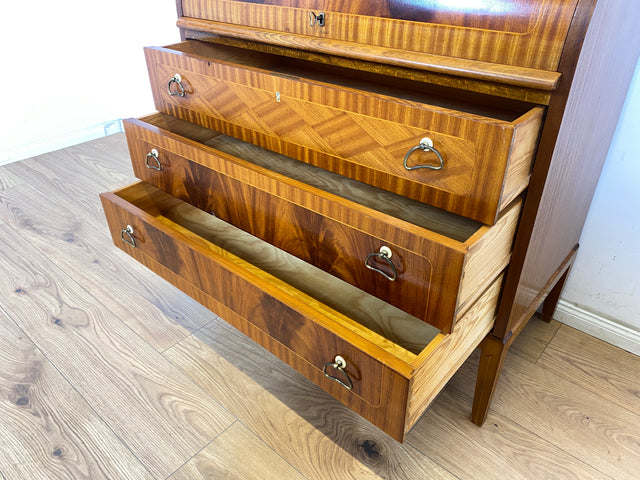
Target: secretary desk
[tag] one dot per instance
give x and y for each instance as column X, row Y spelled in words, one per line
column 371, row 190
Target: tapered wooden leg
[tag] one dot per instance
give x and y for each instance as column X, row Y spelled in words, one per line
column 492, row 354
column 551, row 302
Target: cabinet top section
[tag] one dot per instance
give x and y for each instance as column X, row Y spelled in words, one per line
column 517, row 42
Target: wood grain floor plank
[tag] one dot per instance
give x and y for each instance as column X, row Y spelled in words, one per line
column 102, row 161
column 78, row 174
column 237, row 454
column 534, row 338
column 48, row 430
column 314, row 433
column 501, row 448
column 583, row 424
column 8, row 179
column 594, row 365
column 562, row 415
column 116, row 147
column 153, row 308
column 155, row 409
column 80, row 200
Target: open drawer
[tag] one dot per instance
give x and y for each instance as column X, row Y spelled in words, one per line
column 430, row 263
column 470, row 158
column 382, row 363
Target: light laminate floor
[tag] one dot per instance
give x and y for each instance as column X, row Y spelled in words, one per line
column 107, row 371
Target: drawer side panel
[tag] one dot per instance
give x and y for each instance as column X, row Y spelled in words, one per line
column 433, row 372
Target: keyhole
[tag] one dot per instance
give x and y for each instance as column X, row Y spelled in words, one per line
column 316, row 19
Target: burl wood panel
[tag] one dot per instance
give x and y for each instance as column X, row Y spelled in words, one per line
column 525, row 33
column 328, row 231
column 359, row 134
column 261, row 307
column 333, row 246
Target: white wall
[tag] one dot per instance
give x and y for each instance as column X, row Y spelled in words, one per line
column 71, row 69
column 602, row 295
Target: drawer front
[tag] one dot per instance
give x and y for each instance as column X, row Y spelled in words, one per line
column 297, row 331
column 426, row 284
column 358, row 134
column 527, row 33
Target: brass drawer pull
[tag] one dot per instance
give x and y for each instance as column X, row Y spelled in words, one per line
column 177, row 79
column 426, row 145
column 339, row 364
column 385, row 255
column 128, row 231
column 153, row 154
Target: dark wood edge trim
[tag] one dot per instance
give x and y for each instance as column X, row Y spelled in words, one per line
column 568, row 64
column 179, row 10
column 492, row 72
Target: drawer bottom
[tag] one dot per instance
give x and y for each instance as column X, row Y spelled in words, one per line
column 394, row 364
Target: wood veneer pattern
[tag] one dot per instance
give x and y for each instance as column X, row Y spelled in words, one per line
column 535, row 42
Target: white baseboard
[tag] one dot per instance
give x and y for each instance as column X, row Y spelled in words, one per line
column 45, row 145
column 598, row 326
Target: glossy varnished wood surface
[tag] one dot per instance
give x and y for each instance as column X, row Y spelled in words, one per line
column 327, row 231
column 361, row 134
column 573, row 148
column 277, row 311
column 292, row 419
column 332, row 246
column 288, row 171
column 381, row 378
column 526, row 33
column 526, row 94
column 483, row 76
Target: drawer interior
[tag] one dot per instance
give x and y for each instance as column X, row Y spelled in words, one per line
column 447, row 224
column 498, row 109
column 402, row 335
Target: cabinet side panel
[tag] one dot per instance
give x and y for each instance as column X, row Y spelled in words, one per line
column 607, row 61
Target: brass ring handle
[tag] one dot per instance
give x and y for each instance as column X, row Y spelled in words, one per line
column 385, row 255
column 153, row 154
column 128, row 231
column 177, row 79
column 339, row 364
column 426, row 145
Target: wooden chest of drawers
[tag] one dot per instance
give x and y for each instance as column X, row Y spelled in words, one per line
column 354, row 185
